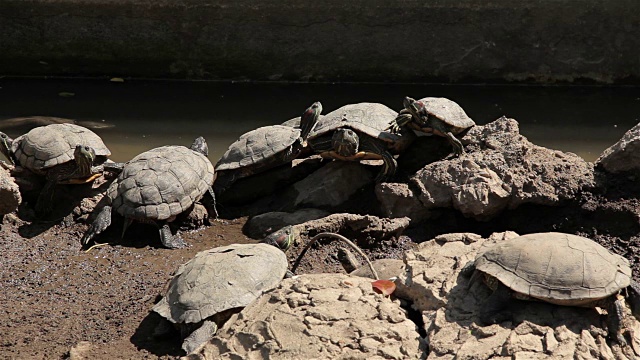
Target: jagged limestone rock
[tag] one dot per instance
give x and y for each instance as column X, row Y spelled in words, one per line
column 321, row 316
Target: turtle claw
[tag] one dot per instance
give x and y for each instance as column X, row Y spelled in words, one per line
column 171, row 241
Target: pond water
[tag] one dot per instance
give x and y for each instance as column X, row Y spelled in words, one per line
column 146, row 114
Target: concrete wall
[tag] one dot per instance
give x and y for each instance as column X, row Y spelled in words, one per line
column 542, row 41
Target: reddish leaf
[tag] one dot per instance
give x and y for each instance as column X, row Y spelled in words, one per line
column 385, row 287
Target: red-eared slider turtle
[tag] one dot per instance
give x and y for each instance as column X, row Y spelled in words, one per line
column 358, row 132
column 63, row 153
column 264, row 148
column 217, row 283
column 155, row 187
column 558, row 268
column 439, row 116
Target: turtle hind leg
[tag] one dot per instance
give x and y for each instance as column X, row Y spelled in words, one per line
column 458, row 149
column 495, row 308
column 102, row 221
column 199, row 336
column 169, row 240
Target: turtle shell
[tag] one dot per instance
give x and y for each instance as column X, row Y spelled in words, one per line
column 220, row 279
column 47, row 146
column 161, row 183
column 559, row 268
column 258, row 146
column 449, row 112
column 369, row 118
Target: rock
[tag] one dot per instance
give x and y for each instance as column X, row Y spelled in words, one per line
column 365, row 226
column 259, row 226
column 386, row 269
column 501, row 170
column 398, row 200
column 251, row 188
column 10, row 197
column 321, row 316
column 81, row 351
column 448, row 303
column 332, row 184
column 624, row 155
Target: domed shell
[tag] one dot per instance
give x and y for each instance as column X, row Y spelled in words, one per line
column 220, row 279
column 47, row 146
column 161, row 183
column 448, row 111
column 558, row 268
column 257, row 146
column 372, row 119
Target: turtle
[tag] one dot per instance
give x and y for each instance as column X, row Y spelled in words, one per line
column 215, row 284
column 557, row 268
column 156, row 186
column 358, row 132
column 434, row 115
column 62, row 153
column 264, row 148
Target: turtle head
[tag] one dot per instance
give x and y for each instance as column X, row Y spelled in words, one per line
column 84, row 156
column 309, row 119
column 283, row 238
column 5, row 146
column 416, row 108
column 345, row 142
column 200, row 145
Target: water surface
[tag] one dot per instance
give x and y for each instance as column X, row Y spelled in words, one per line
column 147, row 114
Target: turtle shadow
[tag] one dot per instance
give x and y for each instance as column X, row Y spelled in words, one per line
column 467, row 299
column 66, row 209
column 145, row 337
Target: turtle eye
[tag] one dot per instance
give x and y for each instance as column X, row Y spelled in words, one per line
column 86, row 148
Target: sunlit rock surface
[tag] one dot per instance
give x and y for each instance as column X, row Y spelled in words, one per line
column 322, row 316
column 501, row 170
column 623, row 156
column 539, row 330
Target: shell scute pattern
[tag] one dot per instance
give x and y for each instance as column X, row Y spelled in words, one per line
column 556, row 267
column 161, row 183
column 47, row 146
column 257, row 146
column 222, row 278
column 369, row 118
column 449, row 112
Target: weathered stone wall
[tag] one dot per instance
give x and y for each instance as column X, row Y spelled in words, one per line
column 542, row 41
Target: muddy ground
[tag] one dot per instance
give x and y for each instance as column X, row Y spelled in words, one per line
column 55, row 295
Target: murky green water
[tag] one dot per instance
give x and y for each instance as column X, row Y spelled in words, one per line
column 146, row 114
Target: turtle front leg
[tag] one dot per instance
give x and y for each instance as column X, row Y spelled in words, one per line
column 199, row 336
column 633, row 298
column 102, row 221
column 169, row 240
column 213, row 202
column 404, row 117
column 44, row 204
column 493, row 308
column 390, row 164
column 615, row 316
